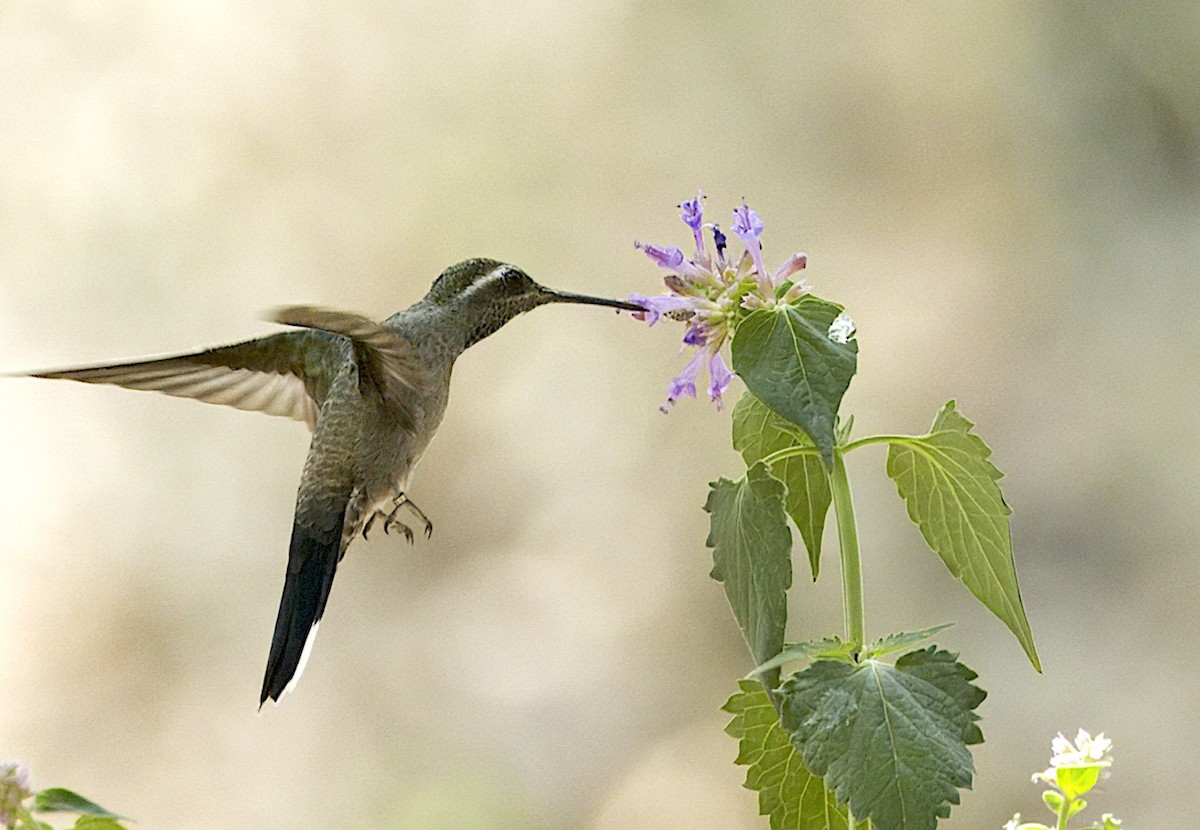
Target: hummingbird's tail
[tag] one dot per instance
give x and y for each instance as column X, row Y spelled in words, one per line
column 312, row 563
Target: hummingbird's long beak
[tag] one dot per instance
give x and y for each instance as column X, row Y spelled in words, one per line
column 553, row 296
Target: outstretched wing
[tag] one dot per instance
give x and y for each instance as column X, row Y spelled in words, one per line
column 284, row 374
column 387, row 365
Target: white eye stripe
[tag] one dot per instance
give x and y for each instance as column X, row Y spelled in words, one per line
column 490, row 277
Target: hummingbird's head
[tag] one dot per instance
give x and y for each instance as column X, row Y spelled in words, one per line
column 488, row 294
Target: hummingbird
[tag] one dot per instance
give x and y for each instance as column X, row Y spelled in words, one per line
column 373, row 395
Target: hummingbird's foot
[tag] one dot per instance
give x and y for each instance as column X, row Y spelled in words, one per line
column 403, row 499
column 389, row 521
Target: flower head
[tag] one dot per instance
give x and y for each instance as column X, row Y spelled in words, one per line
column 1075, row 767
column 14, row 788
column 709, row 291
column 1087, row 750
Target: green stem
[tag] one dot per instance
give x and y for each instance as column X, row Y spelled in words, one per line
column 852, row 584
column 1064, row 813
column 877, row 439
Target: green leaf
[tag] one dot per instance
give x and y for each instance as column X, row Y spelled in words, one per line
column 891, row 741
column 752, row 557
column 97, row 823
column 829, row 648
column 58, row 800
column 895, row 642
column 757, row 433
column 793, row 797
column 952, row 495
column 786, row 359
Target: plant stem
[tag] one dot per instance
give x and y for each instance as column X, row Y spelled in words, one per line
column 877, row 439
column 852, row 584
column 1064, row 813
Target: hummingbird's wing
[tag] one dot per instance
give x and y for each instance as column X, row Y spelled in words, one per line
column 388, row 367
column 283, row 374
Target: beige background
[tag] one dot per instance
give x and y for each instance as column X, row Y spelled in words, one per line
column 1004, row 195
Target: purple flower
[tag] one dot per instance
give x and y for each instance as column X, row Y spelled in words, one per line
column 719, row 240
column 710, row 293
column 793, row 265
column 719, row 376
column 695, row 335
column 668, row 257
column 748, row 228
column 746, row 224
column 657, row 306
column 14, row 788
column 683, row 386
column 693, row 217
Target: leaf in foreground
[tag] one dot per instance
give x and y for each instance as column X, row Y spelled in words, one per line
column 952, row 495
column 889, row 740
column 793, row 797
column 59, row 800
column 752, row 557
column 759, row 432
column 785, row 357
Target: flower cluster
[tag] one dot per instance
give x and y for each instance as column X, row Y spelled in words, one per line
column 1087, row 753
column 14, row 788
column 1074, row 770
column 708, row 290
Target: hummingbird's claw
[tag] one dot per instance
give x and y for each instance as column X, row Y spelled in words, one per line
column 391, row 521
column 403, row 499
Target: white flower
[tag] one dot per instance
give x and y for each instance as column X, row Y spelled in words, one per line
column 841, row 329
column 1086, row 751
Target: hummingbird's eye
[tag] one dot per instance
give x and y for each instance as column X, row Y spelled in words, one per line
column 512, row 276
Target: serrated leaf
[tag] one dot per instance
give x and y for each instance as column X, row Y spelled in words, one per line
column 829, row 648
column 896, row 642
column 757, row 433
column 752, row 557
column 786, row 359
column 793, row 797
column 891, row 741
column 59, row 800
column 952, row 495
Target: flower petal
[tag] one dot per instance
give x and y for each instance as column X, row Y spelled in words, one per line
column 666, row 256
column 683, row 385
column 696, row 335
column 719, row 377
column 657, row 306
column 693, row 216
column 794, row 264
column 746, row 223
column 748, row 226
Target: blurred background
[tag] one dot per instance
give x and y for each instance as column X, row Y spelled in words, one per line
column 1004, row 196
